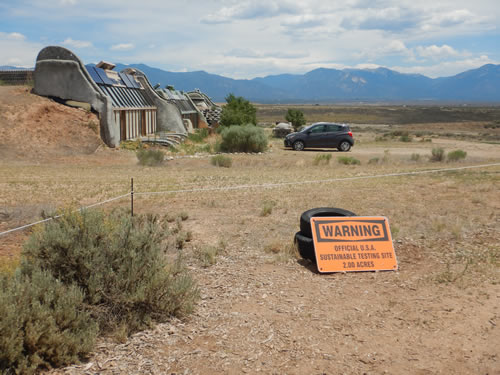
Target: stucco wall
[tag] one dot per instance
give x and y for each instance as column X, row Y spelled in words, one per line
column 60, row 73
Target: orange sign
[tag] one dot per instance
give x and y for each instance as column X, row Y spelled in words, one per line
column 355, row 243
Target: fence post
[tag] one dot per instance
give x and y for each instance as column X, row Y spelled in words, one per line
column 132, row 196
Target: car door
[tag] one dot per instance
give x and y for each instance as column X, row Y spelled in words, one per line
column 315, row 135
column 332, row 135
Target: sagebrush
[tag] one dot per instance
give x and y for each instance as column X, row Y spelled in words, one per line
column 437, row 154
column 457, row 155
column 43, row 323
column 246, row 138
column 118, row 262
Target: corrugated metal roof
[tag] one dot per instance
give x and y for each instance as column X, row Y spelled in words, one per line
column 180, row 99
column 123, row 89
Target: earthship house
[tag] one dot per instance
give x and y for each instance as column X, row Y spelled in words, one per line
column 210, row 111
column 127, row 104
column 190, row 113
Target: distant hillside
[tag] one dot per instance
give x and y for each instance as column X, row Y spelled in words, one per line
column 327, row 85
column 8, row 67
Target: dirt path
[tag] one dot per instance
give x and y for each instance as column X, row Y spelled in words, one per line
column 260, row 317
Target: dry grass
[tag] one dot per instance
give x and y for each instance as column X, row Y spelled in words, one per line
column 420, row 207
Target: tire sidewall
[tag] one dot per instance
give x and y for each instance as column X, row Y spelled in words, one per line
column 305, row 218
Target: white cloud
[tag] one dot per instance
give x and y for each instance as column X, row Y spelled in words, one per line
column 77, row 43
column 248, row 53
column 17, row 51
column 436, row 52
column 67, row 2
column 447, row 68
column 251, row 10
column 383, row 48
column 454, row 17
column 122, row 47
column 16, row 36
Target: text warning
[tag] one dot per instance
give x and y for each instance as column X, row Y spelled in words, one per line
column 344, row 244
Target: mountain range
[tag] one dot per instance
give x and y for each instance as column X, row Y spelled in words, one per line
column 331, row 85
column 481, row 85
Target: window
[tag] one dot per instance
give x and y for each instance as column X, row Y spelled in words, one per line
column 333, row 128
column 318, row 129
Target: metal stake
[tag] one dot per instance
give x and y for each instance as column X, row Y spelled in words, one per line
column 132, row 196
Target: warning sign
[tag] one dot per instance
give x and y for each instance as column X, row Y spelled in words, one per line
column 344, row 244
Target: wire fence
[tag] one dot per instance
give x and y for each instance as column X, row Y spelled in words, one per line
column 133, row 193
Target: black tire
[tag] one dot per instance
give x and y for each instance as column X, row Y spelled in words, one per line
column 298, row 145
column 305, row 218
column 344, row 146
column 305, row 246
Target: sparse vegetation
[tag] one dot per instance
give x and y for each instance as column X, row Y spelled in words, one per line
column 207, row 255
column 374, row 160
column 405, row 138
column 348, row 160
column 92, row 125
column 437, row 154
column 456, row 155
column 221, row 161
column 267, row 207
column 199, row 135
column 415, row 157
column 150, row 157
column 246, row 138
column 132, row 145
column 282, row 250
column 322, row 159
column 254, row 286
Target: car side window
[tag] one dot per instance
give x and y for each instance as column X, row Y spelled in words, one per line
column 318, row 129
column 333, row 128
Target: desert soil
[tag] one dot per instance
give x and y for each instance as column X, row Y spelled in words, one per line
column 262, row 311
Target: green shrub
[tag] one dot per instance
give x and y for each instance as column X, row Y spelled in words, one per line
column 405, row 138
column 374, row 160
column 221, row 161
column 415, row 157
column 322, row 158
column 348, row 160
column 207, row 255
column 296, row 117
column 199, row 135
column 42, row 323
column 267, row 208
column 238, row 111
column 119, row 264
column 437, row 154
column 247, row 138
column 150, row 158
column 456, row 155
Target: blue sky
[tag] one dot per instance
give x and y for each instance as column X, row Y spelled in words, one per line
column 247, row 39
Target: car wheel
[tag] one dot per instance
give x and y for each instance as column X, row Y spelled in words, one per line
column 305, row 218
column 305, row 246
column 344, row 146
column 298, row 145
